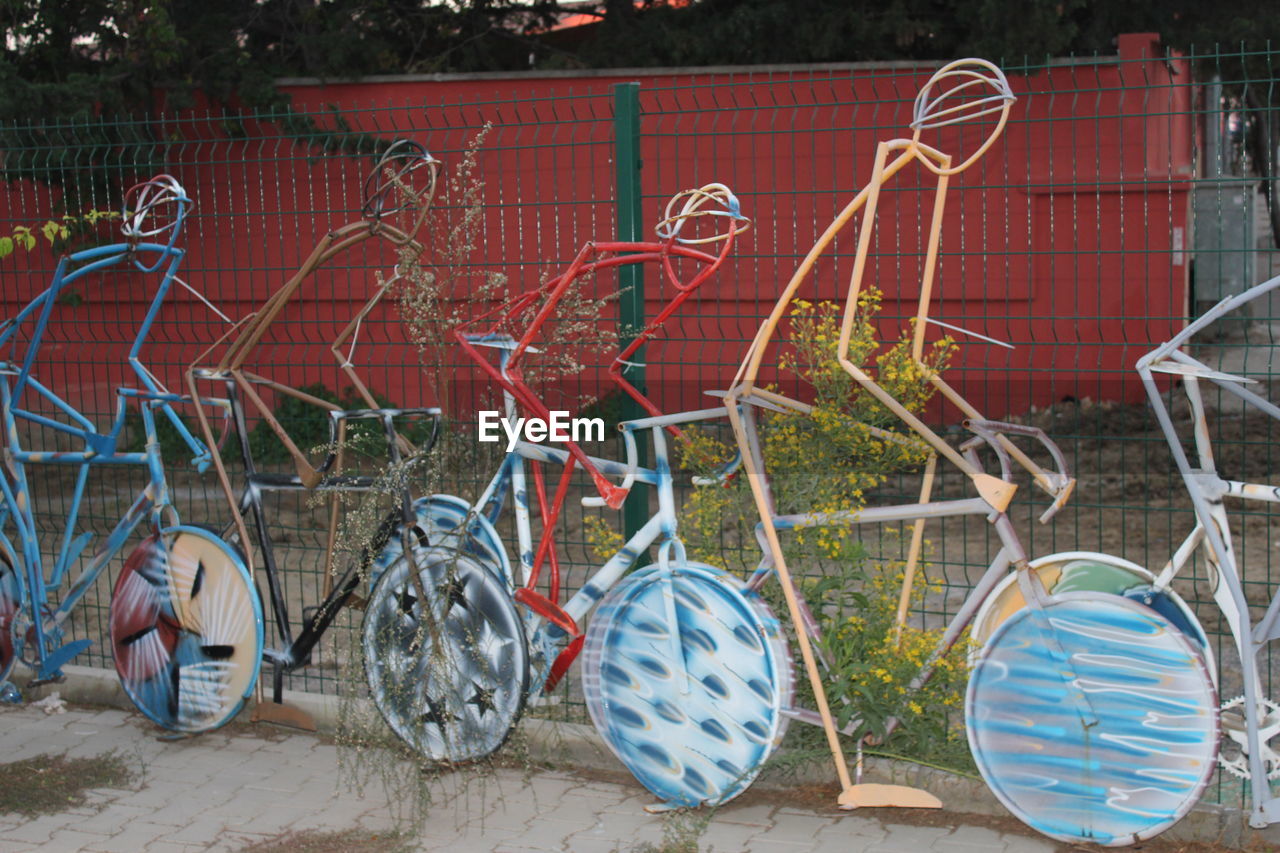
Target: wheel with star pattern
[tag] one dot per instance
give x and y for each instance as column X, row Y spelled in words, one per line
column 445, row 658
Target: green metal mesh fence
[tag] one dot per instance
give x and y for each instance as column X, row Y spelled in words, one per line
column 1124, row 197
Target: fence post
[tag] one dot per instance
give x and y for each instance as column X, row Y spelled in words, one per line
column 626, row 127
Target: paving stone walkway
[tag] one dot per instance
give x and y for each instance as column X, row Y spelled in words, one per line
column 245, row 785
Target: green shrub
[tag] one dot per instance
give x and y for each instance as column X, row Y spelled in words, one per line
column 173, row 449
column 308, row 426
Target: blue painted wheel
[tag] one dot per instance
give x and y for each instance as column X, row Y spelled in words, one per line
column 186, row 629
column 1145, row 762
column 692, row 715
column 10, row 601
column 448, row 674
column 1089, row 571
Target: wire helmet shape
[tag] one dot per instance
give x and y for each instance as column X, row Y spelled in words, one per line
column 403, row 179
column 962, row 91
column 715, row 200
column 154, row 212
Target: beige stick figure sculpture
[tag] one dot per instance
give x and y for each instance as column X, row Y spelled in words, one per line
column 962, row 91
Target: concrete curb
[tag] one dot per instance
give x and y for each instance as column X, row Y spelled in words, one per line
column 581, row 746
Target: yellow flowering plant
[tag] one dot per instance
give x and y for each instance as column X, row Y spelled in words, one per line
column 825, row 461
column 872, row 666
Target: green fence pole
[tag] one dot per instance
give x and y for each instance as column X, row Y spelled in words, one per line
column 626, row 125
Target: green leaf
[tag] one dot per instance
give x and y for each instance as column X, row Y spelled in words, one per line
column 6, row 247
column 23, row 237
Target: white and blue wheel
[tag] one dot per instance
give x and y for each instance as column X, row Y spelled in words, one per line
column 186, row 629
column 692, row 709
column 1131, row 774
column 446, row 520
column 449, row 673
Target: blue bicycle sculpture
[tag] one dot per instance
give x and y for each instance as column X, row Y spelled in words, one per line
column 185, row 624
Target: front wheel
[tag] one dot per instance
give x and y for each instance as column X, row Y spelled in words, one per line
column 1112, row 745
column 186, row 630
column 1088, row 571
column 448, row 674
column 692, row 709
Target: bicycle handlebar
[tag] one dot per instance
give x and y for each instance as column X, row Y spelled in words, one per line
column 1060, row 482
column 161, row 399
column 337, row 416
column 723, row 473
column 629, row 478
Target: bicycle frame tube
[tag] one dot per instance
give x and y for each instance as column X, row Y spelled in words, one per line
column 17, row 501
column 1212, row 533
column 297, row 649
column 660, row 527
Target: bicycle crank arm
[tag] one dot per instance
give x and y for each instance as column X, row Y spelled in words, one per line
column 50, row 669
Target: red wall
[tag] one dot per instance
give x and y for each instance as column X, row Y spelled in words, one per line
column 1060, row 241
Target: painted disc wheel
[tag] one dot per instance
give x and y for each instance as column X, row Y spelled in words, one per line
column 692, row 709
column 186, row 630
column 10, row 601
column 449, row 675
column 1087, row 571
column 1133, row 772
column 445, row 520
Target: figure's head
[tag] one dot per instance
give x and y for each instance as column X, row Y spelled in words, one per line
column 154, row 211
column 966, row 91
column 714, row 200
column 403, row 181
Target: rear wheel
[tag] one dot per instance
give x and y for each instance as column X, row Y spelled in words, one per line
column 186, row 630
column 10, row 601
